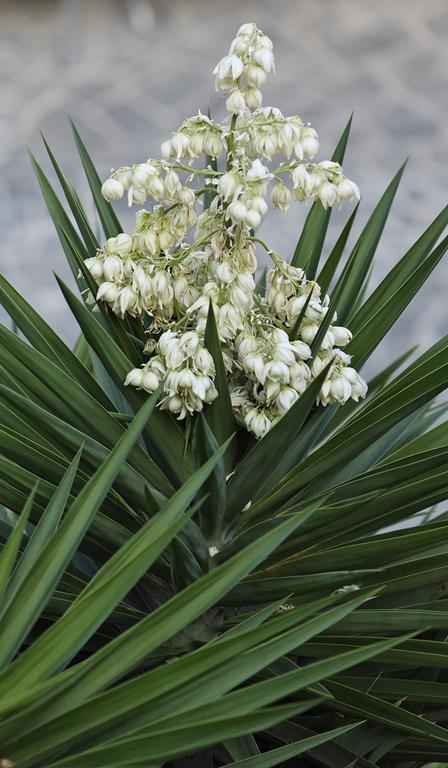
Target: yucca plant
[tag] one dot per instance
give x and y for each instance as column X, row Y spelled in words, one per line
column 219, row 545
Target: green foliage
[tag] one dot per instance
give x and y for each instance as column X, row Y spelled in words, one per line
column 182, row 596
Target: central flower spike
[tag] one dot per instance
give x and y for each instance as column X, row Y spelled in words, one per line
column 181, row 258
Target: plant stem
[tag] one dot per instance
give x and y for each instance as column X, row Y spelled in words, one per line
column 231, row 141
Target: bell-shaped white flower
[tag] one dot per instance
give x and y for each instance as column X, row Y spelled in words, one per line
column 340, row 389
column 213, row 144
column 203, row 362
column 257, row 422
column 108, row 291
column 134, row 378
column 327, row 194
column 254, row 74
column 302, row 180
column 155, row 186
column 253, row 219
column 112, row 267
column 237, row 211
column 264, row 58
column 112, row 190
column 180, row 144
column 286, row 398
column 122, row 244
column 258, row 171
column 229, row 184
column 276, row 371
column 150, row 381
column 95, row 267
column 141, row 174
column 342, row 336
column 128, row 300
column 166, row 149
column 172, row 184
column 230, row 66
column 309, row 142
column 281, row 197
column 236, row 103
column 348, row 190
column 253, row 97
column 259, row 204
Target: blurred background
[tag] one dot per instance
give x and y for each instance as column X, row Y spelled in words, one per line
column 128, row 72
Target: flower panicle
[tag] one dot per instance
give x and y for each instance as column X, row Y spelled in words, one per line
column 182, row 259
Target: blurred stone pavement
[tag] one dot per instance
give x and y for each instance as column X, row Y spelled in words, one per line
column 129, row 71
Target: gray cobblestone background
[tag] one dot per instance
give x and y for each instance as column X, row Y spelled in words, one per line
column 129, row 71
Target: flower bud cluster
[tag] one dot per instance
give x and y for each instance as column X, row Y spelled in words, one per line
column 137, row 181
column 197, row 135
column 179, row 262
column 229, row 286
column 245, row 69
column 150, row 179
column 343, row 382
column 243, row 190
column 269, row 133
column 275, row 374
column 186, row 368
column 157, row 231
column 324, row 181
column 275, row 369
column 128, row 283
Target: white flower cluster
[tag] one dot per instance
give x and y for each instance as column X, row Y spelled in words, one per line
column 195, row 136
column 169, row 279
column 187, row 369
column 245, row 69
column 275, row 367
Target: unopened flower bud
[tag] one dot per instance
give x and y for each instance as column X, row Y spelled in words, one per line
column 213, row 145
column 123, row 243
column 187, row 196
column 166, row 239
column 172, row 184
column 253, row 219
column 196, row 144
column 237, row 211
